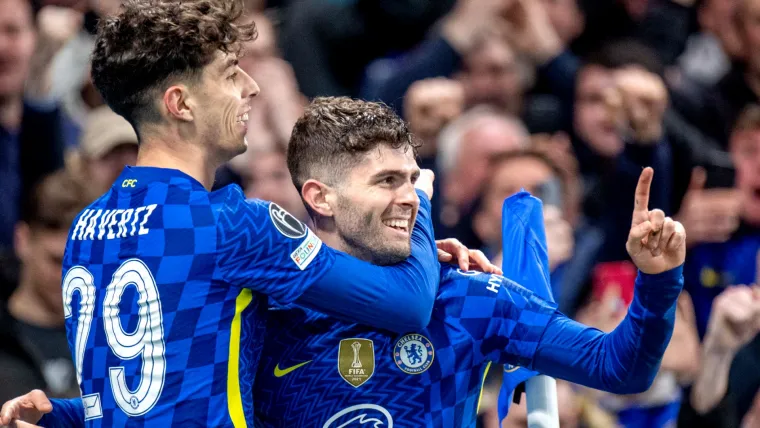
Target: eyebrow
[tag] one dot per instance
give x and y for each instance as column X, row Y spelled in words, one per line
column 393, row 172
column 231, row 62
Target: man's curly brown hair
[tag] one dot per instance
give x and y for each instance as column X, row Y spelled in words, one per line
column 151, row 44
column 333, row 133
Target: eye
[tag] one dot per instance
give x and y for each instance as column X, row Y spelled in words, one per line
column 389, row 180
column 233, row 76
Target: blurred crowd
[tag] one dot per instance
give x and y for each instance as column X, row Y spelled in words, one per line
column 568, row 99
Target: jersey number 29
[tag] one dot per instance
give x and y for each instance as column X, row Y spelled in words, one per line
column 147, row 341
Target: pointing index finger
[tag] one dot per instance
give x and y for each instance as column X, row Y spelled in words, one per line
column 641, row 202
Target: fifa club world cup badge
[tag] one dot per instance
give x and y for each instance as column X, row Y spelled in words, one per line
column 413, row 353
column 356, row 361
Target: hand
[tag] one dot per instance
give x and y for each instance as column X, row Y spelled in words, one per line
column 710, row 215
column 470, row 21
column 28, row 408
column 425, row 182
column 450, row 249
column 655, row 243
column 527, row 27
column 734, row 320
column 560, row 241
column 644, row 99
column 432, row 103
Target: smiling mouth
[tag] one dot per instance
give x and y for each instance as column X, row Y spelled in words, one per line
column 243, row 118
column 398, row 225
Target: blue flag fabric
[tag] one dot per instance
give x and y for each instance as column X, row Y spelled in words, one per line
column 525, row 261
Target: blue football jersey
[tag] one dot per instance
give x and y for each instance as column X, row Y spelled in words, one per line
column 164, row 289
column 710, row 268
column 319, row 372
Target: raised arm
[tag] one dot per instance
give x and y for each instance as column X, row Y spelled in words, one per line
column 627, row 359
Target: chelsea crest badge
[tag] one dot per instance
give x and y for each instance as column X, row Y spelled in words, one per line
column 413, row 353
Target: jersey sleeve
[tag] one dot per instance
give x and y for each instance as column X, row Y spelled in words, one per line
column 504, row 319
column 263, row 247
column 626, row 360
column 67, row 413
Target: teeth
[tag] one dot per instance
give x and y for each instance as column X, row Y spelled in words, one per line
column 400, row 224
column 243, row 118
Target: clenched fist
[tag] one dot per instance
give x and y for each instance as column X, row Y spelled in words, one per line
column 643, row 97
column 430, row 104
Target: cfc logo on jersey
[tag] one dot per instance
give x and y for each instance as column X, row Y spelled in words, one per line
column 413, row 353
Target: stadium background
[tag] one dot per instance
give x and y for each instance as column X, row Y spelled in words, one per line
column 566, row 98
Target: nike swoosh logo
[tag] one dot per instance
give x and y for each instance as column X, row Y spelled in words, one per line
column 278, row 372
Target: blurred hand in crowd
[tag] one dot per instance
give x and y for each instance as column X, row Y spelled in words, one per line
column 429, row 105
column 644, row 98
column 612, row 105
column 710, row 215
column 56, row 25
column 528, row 27
column 734, row 322
column 566, row 18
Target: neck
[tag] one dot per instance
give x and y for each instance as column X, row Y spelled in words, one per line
column 188, row 158
column 29, row 306
column 11, row 110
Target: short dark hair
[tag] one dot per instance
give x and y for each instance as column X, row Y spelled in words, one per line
column 55, row 201
column 626, row 52
column 335, row 131
column 151, row 43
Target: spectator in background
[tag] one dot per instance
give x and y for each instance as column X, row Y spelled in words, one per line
column 464, row 148
column 572, row 253
column 734, row 323
column 715, row 112
column 36, row 354
column 109, row 143
column 713, row 267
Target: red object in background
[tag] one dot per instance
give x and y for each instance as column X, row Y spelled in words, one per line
column 620, row 275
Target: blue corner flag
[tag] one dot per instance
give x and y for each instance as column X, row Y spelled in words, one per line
column 525, row 261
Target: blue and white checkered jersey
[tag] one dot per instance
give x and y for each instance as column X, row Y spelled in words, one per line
column 165, row 291
column 317, row 371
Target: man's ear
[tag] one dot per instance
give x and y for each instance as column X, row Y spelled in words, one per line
column 21, row 240
column 317, row 197
column 178, row 103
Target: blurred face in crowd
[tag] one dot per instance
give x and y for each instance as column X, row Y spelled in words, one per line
column 507, row 178
column 268, row 178
column 40, row 251
column 485, row 139
column 745, row 151
column 375, row 206
column 17, row 40
column 105, row 170
column 594, row 122
column 750, row 31
column 492, row 77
